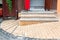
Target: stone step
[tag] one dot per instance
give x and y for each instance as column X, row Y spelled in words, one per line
column 38, row 12
column 36, row 15
column 39, row 19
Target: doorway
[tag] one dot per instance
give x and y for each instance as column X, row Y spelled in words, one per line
column 37, row 4
column 41, row 5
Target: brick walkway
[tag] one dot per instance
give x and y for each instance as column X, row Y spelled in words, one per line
column 9, row 25
column 40, row 30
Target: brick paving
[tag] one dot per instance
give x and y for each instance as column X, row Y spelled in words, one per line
column 8, row 36
column 40, row 30
column 9, row 25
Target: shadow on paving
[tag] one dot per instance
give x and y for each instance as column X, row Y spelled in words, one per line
column 1, row 20
column 9, row 36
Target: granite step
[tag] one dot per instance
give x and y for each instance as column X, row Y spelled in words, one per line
column 38, row 12
column 37, row 15
column 39, row 19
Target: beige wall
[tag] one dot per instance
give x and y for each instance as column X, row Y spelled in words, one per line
column 58, row 6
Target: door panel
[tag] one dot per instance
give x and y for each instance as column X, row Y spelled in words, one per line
column 48, row 4
column 5, row 8
column 54, row 5
column 27, row 4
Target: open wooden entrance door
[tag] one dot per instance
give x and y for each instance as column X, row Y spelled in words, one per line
column 48, row 4
column 6, row 10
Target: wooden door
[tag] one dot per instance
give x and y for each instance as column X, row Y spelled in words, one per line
column 48, row 4
column 6, row 10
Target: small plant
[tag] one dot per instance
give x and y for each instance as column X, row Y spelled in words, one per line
column 9, row 3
